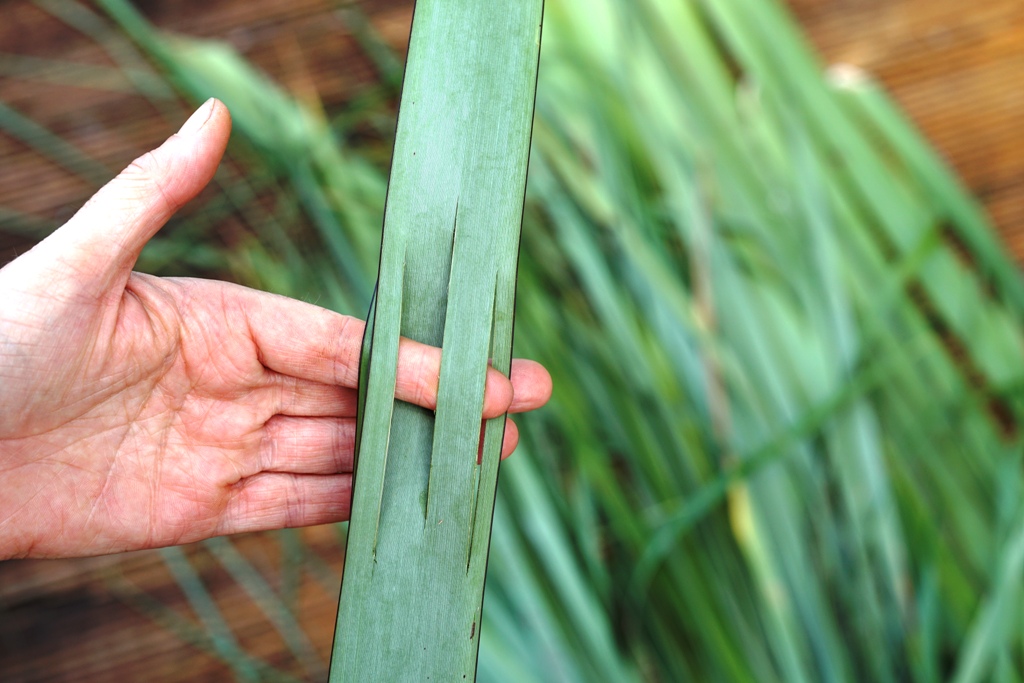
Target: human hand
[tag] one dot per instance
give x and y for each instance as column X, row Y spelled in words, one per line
column 139, row 412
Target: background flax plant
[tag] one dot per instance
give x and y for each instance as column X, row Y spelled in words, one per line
column 788, row 355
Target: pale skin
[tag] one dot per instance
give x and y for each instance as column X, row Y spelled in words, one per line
column 140, row 412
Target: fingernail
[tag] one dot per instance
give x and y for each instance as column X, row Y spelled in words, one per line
column 198, row 119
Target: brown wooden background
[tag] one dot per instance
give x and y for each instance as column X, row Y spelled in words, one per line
column 958, row 69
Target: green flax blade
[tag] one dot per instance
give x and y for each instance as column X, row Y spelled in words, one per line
column 422, row 506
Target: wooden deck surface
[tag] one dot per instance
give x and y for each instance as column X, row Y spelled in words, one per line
column 956, row 69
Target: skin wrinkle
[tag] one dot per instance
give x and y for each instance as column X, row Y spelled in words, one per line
column 254, row 371
column 220, row 413
column 33, row 442
column 211, row 356
column 342, row 438
column 185, row 505
column 285, row 391
column 145, row 173
column 133, row 422
column 185, row 498
column 339, row 442
column 31, row 320
column 155, row 487
column 130, row 422
column 240, row 464
column 62, row 474
column 293, row 510
column 10, row 517
column 251, row 336
column 184, row 510
column 201, row 421
column 212, row 352
column 62, row 529
column 344, row 362
column 74, row 296
column 253, row 505
column 239, row 497
column 147, row 301
column 128, row 308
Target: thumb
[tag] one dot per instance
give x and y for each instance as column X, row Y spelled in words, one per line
column 101, row 242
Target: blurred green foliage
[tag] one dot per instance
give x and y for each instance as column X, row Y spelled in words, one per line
column 788, row 355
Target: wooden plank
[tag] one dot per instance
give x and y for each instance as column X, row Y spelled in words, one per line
column 956, row 72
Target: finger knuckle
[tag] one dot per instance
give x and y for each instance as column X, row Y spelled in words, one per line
column 344, row 340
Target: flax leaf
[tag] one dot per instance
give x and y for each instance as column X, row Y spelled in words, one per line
column 422, row 506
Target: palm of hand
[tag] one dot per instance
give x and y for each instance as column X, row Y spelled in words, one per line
column 170, row 425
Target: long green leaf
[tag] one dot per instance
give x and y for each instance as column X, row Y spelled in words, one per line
column 422, row 506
